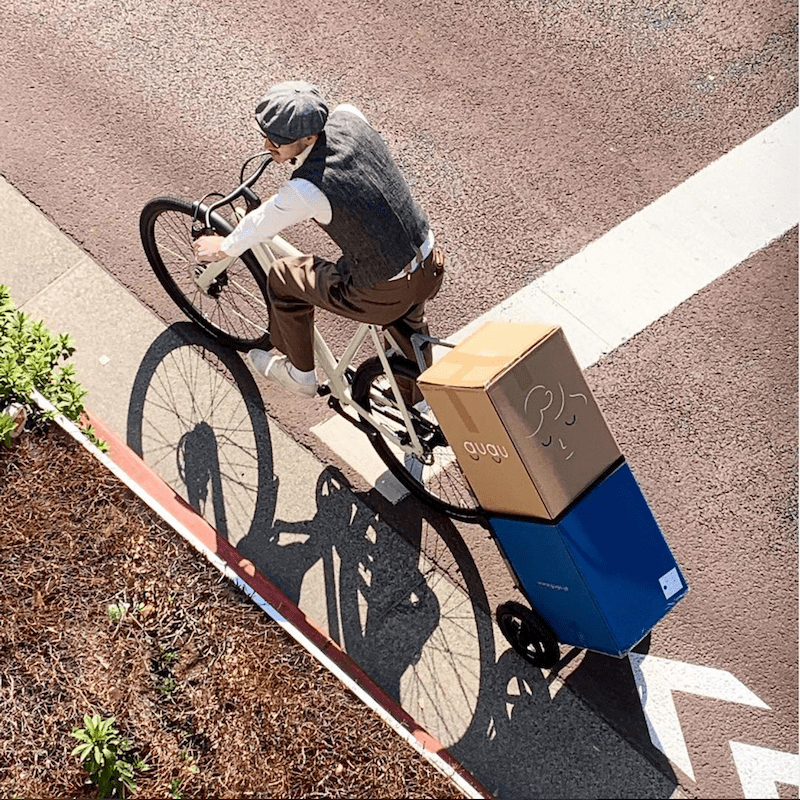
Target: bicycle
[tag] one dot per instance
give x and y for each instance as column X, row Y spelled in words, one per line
column 228, row 300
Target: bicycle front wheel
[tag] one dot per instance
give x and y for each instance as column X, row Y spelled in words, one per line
column 435, row 476
column 234, row 309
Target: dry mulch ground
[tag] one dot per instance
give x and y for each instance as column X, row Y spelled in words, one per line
column 214, row 696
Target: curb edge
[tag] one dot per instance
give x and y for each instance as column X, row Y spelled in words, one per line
column 175, row 512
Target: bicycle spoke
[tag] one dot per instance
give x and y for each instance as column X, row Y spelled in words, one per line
column 245, row 291
column 433, row 474
column 233, row 312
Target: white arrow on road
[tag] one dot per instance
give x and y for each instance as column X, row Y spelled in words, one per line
column 760, row 769
column 657, row 678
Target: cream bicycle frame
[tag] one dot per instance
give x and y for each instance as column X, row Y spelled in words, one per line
column 277, row 247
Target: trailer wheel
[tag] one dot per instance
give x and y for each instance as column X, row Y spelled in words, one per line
column 528, row 634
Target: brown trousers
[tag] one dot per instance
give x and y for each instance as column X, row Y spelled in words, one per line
column 297, row 285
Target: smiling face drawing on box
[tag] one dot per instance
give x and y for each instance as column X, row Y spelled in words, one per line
column 554, row 415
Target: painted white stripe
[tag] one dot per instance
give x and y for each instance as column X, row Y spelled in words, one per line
column 650, row 263
column 657, row 678
column 665, row 253
column 761, row 769
column 353, row 447
column 466, row 788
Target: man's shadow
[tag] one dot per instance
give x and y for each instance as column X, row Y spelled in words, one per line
column 412, row 610
column 197, row 417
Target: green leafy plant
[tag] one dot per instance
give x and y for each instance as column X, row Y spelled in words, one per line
column 7, row 426
column 167, row 686
column 175, row 789
column 30, row 357
column 175, row 785
column 116, row 611
column 102, row 752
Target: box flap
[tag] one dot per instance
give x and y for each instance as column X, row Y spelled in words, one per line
column 487, row 353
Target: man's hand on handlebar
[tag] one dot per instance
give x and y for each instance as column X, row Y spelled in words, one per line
column 208, row 249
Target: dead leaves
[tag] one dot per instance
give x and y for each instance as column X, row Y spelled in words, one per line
column 210, row 691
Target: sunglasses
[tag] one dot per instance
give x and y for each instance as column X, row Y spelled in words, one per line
column 271, row 139
column 276, row 145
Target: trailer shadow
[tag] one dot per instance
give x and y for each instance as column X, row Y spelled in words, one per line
column 412, row 610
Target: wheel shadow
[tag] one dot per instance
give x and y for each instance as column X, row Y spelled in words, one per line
column 413, row 610
column 196, row 417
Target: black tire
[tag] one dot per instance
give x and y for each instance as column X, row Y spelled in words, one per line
column 528, row 634
column 235, row 308
column 436, row 479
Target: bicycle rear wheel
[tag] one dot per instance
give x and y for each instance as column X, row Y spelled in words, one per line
column 436, row 477
column 234, row 308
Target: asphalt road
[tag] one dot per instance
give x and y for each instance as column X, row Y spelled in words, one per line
column 528, row 128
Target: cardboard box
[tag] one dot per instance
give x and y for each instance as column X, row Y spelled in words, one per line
column 603, row 575
column 515, row 407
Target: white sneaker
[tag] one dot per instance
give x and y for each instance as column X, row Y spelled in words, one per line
column 275, row 368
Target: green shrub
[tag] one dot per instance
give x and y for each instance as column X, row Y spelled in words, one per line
column 102, row 752
column 30, row 357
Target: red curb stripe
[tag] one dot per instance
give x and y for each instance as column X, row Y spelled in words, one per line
column 142, row 474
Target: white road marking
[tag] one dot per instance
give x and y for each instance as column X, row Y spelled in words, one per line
column 650, row 263
column 657, row 678
column 761, row 768
column 354, row 449
column 662, row 255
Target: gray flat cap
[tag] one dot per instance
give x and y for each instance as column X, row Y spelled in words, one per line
column 290, row 111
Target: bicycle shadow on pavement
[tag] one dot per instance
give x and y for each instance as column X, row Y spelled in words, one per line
column 411, row 610
column 196, row 417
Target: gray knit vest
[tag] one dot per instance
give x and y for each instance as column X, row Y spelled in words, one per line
column 375, row 221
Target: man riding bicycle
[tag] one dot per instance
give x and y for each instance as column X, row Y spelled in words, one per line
column 346, row 180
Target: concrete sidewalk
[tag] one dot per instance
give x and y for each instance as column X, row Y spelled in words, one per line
column 194, row 413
